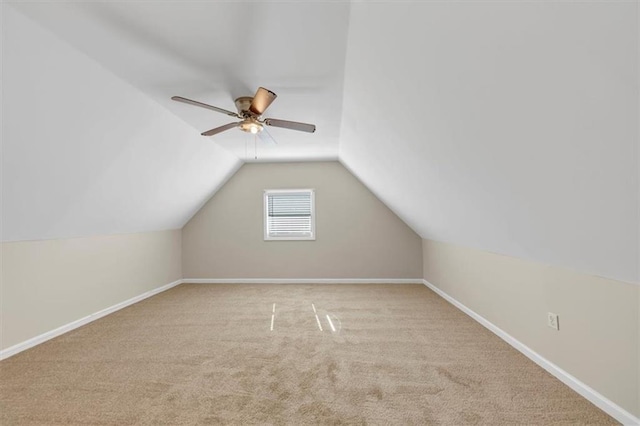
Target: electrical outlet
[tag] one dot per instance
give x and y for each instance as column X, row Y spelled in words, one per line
column 552, row 321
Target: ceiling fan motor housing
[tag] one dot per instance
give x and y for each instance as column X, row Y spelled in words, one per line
column 243, row 103
column 250, row 124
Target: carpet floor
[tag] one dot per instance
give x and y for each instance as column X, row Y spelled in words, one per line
column 285, row 354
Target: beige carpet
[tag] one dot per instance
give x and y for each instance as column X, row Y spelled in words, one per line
column 205, row 354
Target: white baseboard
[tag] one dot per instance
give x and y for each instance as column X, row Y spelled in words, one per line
column 302, row 280
column 12, row 350
column 600, row 401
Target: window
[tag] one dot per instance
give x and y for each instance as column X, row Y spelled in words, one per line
column 289, row 214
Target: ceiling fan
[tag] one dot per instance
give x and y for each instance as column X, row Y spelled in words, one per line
column 250, row 110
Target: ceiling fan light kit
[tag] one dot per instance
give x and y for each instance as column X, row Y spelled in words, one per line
column 250, row 110
column 250, row 125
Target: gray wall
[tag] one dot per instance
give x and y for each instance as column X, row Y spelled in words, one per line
column 357, row 236
column 598, row 337
column 49, row 283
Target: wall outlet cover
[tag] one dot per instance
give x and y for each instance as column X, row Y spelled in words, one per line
column 552, row 321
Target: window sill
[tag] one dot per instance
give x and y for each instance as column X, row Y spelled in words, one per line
column 290, row 238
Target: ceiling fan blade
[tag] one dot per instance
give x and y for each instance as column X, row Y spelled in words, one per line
column 219, row 129
column 266, row 137
column 293, row 125
column 201, row 105
column 262, row 100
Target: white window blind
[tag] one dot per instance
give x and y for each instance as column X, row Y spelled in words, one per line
column 289, row 214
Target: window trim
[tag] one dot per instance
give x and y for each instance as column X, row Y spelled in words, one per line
column 265, row 214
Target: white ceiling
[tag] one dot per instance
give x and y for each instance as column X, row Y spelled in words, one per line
column 84, row 153
column 215, row 52
column 510, row 127
column 506, row 126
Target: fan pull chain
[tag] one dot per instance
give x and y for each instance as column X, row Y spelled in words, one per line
column 255, row 146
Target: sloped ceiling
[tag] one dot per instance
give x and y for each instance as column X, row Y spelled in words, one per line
column 84, row 153
column 217, row 51
column 509, row 127
column 506, row 126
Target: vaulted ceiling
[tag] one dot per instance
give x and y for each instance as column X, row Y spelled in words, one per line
column 216, row 52
column 506, row 126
